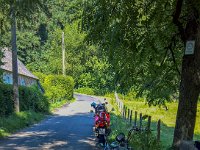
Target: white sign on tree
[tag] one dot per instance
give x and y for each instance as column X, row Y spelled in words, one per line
column 190, row 45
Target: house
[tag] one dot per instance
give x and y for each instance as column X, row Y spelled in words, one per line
column 25, row 78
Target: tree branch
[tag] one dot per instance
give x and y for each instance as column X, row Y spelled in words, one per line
column 164, row 56
column 174, row 60
column 170, row 47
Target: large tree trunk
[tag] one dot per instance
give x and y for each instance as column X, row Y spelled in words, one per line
column 14, row 59
column 190, row 85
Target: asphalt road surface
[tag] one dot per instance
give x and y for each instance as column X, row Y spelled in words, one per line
column 70, row 128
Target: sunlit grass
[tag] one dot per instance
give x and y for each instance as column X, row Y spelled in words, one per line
column 168, row 118
column 18, row 121
column 58, row 104
column 139, row 140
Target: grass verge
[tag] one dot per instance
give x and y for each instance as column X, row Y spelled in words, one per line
column 18, row 121
column 59, row 104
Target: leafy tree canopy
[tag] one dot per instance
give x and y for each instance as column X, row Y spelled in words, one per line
column 142, row 43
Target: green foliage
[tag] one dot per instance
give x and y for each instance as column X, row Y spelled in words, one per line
column 27, row 42
column 39, row 44
column 60, row 104
column 167, row 114
column 85, row 90
column 145, row 140
column 57, row 87
column 138, row 38
column 41, row 76
column 30, row 99
column 139, row 140
column 6, row 100
column 18, row 121
column 90, row 67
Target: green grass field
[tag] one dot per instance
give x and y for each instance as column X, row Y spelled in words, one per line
column 168, row 119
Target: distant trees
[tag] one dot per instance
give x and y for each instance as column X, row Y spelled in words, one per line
column 39, row 44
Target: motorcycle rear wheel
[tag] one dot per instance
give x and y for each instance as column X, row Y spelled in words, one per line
column 102, row 139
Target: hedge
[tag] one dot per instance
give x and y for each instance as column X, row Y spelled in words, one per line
column 30, row 98
column 57, row 87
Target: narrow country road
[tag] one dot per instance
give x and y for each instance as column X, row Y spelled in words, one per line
column 70, row 128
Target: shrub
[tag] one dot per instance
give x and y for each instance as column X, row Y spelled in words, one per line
column 30, row 98
column 6, row 102
column 55, row 93
column 85, row 90
column 41, row 76
column 57, row 87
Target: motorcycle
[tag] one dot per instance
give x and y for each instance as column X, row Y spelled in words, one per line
column 102, row 126
column 102, row 122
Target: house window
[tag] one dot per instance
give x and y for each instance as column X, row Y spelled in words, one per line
column 7, row 78
column 22, row 82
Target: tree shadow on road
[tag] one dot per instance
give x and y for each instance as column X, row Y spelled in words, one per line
column 56, row 132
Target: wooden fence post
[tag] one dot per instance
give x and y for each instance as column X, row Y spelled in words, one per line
column 128, row 116
column 121, row 107
column 122, row 110
column 135, row 122
column 149, row 123
column 158, row 130
column 131, row 116
column 125, row 112
column 140, row 120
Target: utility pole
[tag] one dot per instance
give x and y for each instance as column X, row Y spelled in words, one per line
column 63, row 53
column 14, row 59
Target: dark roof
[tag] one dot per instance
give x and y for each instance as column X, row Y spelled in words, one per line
column 7, row 64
